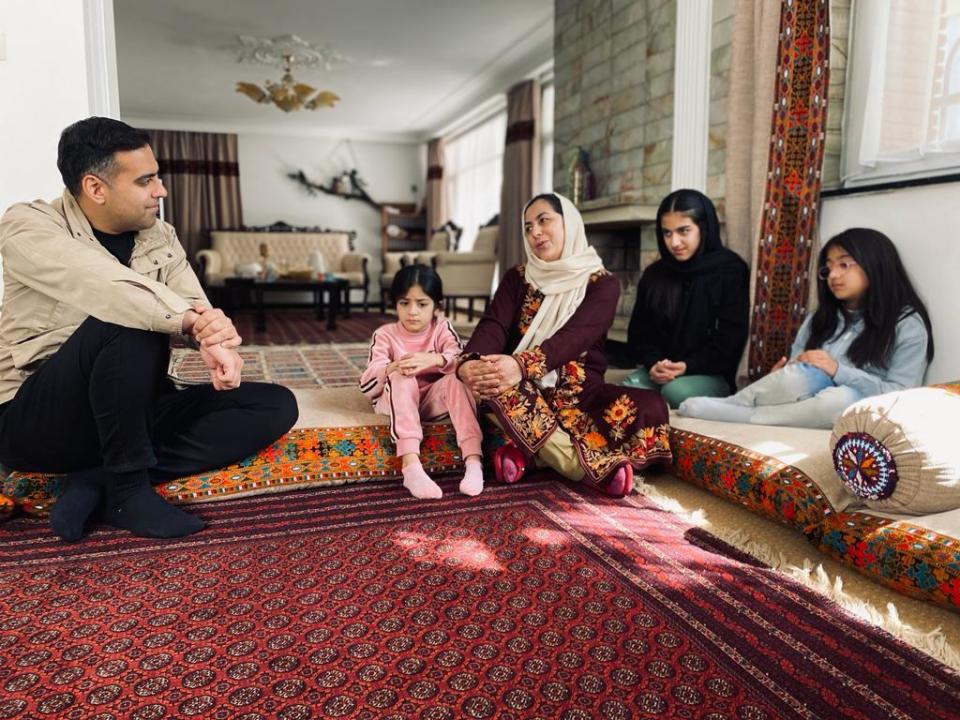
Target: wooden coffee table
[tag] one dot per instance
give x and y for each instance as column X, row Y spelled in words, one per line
column 336, row 290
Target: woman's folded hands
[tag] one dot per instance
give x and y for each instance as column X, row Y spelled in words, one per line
column 491, row 375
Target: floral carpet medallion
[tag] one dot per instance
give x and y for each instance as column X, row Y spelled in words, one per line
column 530, row 601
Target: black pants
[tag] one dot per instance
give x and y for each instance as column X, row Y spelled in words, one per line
column 103, row 400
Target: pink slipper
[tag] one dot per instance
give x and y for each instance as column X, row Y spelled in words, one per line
column 621, row 483
column 509, row 465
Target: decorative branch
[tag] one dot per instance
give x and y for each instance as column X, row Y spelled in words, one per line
column 337, row 187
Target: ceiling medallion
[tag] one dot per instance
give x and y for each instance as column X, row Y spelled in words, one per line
column 286, row 51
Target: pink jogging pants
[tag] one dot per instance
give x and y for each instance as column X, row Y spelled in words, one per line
column 405, row 401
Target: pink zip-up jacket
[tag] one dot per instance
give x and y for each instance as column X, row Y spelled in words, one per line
column 391, row 342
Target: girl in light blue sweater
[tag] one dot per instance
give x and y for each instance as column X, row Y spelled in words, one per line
column 870, row 335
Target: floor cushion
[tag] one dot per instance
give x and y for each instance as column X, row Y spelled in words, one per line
column 337, row 439
column 787, row 474
column 782, row 473
column 919, row 557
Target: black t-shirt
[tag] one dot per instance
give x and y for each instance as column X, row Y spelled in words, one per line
column 120, row 246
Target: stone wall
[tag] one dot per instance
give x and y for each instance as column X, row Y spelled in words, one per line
column 720, row 57
column 613, row 70
column 614, row 74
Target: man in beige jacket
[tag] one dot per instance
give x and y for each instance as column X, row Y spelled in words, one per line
column 94, row 287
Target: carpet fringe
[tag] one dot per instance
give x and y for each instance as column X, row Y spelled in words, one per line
column 933, row 643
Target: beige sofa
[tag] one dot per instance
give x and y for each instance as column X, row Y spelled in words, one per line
column 292, row 248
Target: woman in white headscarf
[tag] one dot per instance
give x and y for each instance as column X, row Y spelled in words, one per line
column 548, row 394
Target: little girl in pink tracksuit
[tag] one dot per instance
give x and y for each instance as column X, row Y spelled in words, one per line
column 411, row 377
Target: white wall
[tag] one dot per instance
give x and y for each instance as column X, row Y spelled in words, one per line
column 924, row 224
column 43, row 86
column 268, row 195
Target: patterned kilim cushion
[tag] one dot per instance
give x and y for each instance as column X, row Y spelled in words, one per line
column 6, row 506
column 910, row 559
column 953, row 386
column 301, row 458
column 760, row 483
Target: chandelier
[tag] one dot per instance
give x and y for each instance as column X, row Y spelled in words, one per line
column 286, row 51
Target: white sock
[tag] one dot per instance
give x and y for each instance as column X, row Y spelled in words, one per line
column 416, row 480
column 472, row 483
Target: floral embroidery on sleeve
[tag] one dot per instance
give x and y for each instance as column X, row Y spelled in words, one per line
column 532, row 300
column 533, row 362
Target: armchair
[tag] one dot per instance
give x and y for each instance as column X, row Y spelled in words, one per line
column 392, row 262
column 469, row 275
column 443, row 239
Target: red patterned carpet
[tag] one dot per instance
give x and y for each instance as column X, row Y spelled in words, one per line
column 531, row 601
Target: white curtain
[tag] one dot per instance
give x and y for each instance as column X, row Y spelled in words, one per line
column 474, row 172
column 903, row 110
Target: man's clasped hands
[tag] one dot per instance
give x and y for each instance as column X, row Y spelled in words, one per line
column 218, row 339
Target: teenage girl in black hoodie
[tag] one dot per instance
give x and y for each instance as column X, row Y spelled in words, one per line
column 691, row 319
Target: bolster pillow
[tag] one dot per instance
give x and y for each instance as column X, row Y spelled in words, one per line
column 900, row 452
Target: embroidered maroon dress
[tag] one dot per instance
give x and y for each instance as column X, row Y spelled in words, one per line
column 607, row 424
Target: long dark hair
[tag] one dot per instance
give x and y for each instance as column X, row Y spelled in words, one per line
column 426, row 277
column 889, row 298
column 664, row 283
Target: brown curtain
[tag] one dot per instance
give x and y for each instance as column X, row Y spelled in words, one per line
column 202, row 175
column 753, row 73
column 521, row 165
column 436, row 197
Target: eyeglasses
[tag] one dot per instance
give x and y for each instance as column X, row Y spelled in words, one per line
column 843, row 266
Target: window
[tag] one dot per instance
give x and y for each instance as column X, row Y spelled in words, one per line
column 948, row 101
column 903, row 106
column 474, row 166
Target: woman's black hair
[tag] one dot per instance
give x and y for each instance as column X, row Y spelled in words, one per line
column 889, row 298
column 664, row 285
column 698, row 207
column 550, row 198
column 425, row 277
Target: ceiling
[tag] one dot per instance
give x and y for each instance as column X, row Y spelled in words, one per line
column 415, row 65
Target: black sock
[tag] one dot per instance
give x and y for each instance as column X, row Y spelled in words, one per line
column 82, row 494
column 133, row 504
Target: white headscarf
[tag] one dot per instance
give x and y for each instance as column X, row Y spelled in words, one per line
column 563, row 281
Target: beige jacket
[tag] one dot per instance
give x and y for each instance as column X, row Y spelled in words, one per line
column 56, row 274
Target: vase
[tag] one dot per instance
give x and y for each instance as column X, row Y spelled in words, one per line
column 580, row 177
